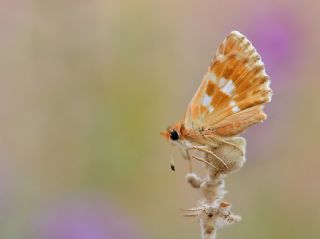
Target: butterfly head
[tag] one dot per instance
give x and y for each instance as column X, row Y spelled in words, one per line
column 172, row 133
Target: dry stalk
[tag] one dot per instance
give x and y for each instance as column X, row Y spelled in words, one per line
column 212, row 212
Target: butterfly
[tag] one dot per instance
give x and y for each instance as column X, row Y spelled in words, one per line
column 230, row 98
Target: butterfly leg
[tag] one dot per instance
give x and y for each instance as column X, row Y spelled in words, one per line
column 204, row 161
column 205, row 150
column 191, row 156
column 236, row 146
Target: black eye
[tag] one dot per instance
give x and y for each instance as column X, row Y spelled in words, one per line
column 174, row 135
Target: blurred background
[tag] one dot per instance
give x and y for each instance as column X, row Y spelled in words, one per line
column 86, row 87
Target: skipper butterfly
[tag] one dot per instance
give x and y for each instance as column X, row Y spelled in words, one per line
column 229, row 99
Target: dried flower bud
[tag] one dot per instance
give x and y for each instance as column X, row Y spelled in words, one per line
column 231, row 156
column 194, row 180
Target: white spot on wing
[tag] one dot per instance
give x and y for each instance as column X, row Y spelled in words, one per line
column 234, row 106
column 210, row 108
column 213, row 77
column 206, row 100
column 220, row 57
column 228, row 88
column 222, row 82
column 235, row 109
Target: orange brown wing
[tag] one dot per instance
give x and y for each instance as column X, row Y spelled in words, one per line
column 235, row 81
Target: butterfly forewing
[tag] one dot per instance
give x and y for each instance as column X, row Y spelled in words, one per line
column 236, row 80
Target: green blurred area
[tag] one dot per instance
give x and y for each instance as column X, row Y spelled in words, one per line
column 86, row 87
